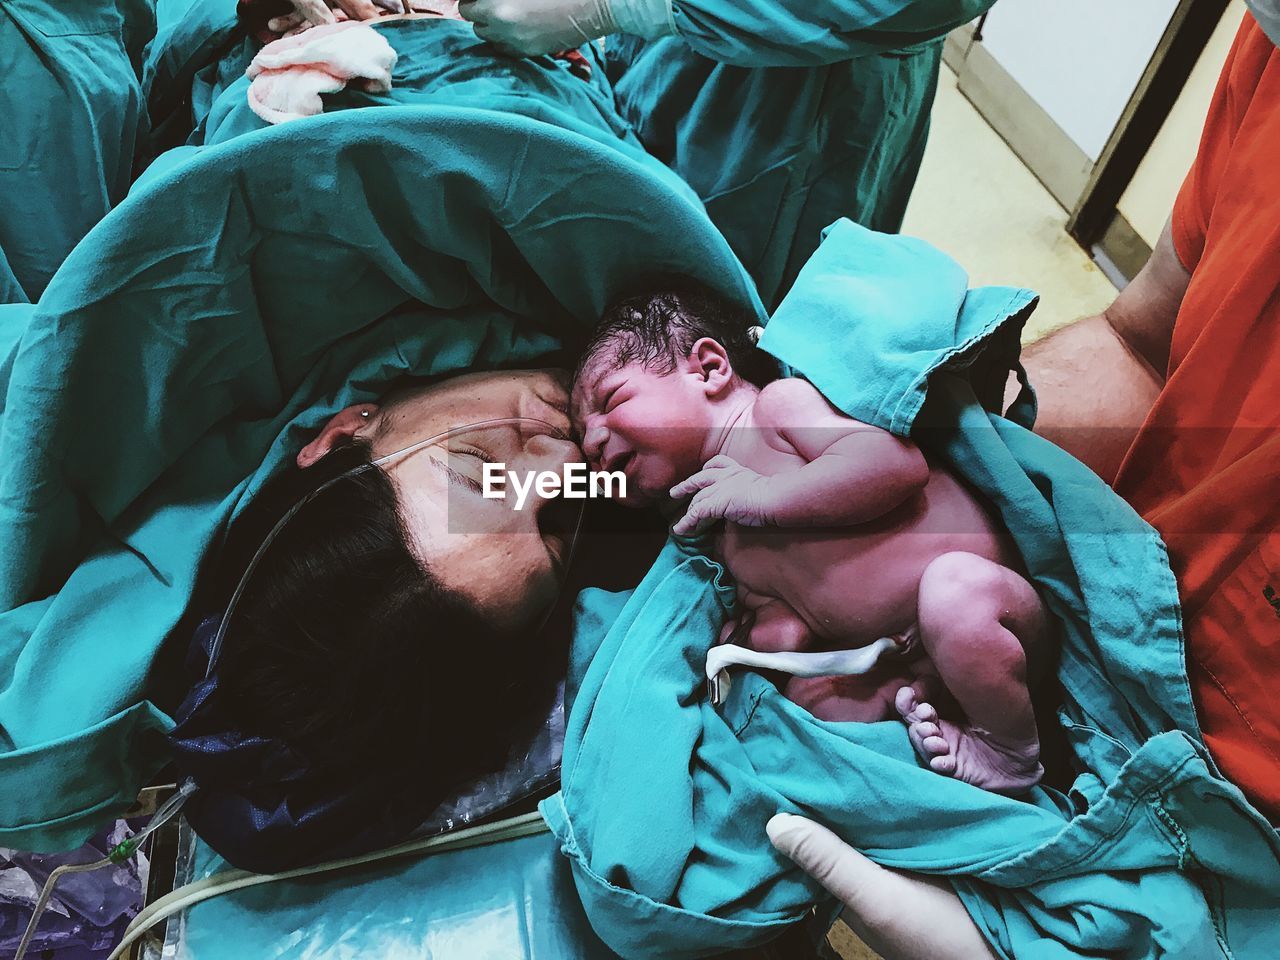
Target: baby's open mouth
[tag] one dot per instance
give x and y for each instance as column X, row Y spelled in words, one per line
column 621, row 462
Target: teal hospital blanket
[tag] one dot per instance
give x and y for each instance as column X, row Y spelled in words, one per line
column 1148, row 853
column 255, row 281
column 71, row 118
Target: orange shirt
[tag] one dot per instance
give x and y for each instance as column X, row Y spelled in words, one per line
column 1205, row 467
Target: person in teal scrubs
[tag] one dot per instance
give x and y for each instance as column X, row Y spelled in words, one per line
column 73, row 119
column 783, row 115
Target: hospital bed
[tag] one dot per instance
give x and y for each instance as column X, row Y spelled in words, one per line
column 502, row 899
column 496, row 892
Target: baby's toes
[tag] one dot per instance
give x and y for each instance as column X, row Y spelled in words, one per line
column 935, row 746
column 925, row 738
column 926, row 729
column 944, row 764
column 937, row 751
column 905, row 703
column 917, row 742
column 925, row 713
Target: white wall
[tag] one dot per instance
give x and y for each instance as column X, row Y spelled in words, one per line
column 1079, row 59
column 1149, row 198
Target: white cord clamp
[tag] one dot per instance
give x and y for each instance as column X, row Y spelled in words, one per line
column 830, row 663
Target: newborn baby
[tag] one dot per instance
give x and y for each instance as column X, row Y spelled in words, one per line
column 838, row 533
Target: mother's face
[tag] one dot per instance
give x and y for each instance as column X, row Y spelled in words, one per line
column 508, row 562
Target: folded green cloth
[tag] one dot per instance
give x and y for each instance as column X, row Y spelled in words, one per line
column 1151, row 853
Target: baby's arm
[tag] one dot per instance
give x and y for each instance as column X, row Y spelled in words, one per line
column 853, row 472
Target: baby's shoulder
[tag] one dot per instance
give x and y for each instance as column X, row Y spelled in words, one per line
column 793, row 400
column 788, row 391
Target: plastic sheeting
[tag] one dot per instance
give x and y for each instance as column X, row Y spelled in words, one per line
column 512, row 900
column 88, row 911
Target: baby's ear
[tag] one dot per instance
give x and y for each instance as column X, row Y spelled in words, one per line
column 710, row 361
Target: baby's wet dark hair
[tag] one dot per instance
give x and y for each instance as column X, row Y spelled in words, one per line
column 659, row 326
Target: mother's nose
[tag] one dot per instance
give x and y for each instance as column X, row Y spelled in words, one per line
column 548, row 453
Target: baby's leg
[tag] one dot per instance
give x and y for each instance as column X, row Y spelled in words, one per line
column 777, row 628
column 980, row 623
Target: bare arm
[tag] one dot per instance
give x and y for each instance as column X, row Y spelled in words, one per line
column 1097, row 379
column 855, row 472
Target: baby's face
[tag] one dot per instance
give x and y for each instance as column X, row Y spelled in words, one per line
column 651, row 426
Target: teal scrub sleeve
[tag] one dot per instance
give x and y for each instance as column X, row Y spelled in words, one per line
column 806, row 33
column 779, row 153
column 73, row 120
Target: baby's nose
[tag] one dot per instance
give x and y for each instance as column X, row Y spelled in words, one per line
column 594, row 439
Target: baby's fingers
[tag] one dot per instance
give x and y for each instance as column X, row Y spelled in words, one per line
column 704, row 510
column 691, row 485
column 358, row 9
column 690, row 525
column 721, row 461
column 715, row 470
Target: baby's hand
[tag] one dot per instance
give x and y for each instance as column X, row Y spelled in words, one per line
column 723, row 490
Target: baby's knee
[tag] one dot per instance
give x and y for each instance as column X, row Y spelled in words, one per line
column 968, row 599
column 959, row 582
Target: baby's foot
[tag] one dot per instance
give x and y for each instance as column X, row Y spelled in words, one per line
column 967, row 753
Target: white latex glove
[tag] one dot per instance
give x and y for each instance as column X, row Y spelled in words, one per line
column 534, row 27
column 901, row 916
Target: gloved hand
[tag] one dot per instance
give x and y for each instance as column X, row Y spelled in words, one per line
column 534, row 27
column 901, row 916
column 315, row 13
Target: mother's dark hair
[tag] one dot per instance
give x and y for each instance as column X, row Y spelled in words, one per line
column 345, row 646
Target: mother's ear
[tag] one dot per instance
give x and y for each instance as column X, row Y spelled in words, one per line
column 341, row 428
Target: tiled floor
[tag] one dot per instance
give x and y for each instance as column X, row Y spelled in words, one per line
column 976, row 201
column 849, row 947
